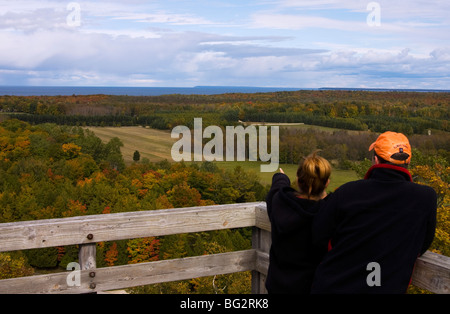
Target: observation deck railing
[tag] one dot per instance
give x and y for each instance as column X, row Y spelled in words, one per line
column 432, row 271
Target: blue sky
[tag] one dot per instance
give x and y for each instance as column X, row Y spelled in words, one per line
column 285, row 43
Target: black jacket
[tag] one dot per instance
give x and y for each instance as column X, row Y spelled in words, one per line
column 292, row 260
column 385, row 219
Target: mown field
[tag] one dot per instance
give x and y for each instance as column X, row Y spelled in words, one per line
column 156, row 146
column 152, row 144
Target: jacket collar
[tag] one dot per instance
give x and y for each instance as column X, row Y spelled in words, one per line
column 302, row 206
column 404, row 172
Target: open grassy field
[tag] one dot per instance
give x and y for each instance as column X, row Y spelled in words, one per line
column 338, row 177
column 156, row 146
column 152, row 144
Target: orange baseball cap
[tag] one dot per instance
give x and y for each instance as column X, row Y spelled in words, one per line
column 393, row 147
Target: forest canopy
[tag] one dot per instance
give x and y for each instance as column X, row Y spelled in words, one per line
column 406, row 112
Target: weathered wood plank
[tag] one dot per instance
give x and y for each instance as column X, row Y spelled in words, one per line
column 261, row 218
column 261, row 242
column 262, row 262
column 120, row 277
column 87, row 256
column 432, row 272
column 63, row 282
column 172, row 270
column 111, row 227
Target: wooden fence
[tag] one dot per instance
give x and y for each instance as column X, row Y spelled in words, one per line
column 432, row 271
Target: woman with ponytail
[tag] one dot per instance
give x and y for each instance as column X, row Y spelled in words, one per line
column 313, row 176
column 292, row 258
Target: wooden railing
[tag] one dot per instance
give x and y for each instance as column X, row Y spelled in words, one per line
column 432, row 271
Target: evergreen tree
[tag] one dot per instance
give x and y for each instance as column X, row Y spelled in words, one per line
column 136, row 156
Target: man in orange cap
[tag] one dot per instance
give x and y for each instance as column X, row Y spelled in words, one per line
column 377, row 227
column 392, row 148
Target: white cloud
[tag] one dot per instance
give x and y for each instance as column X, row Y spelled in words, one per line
column 399, row 9
column 164, row 18
column 296, row 22
column 284, row 43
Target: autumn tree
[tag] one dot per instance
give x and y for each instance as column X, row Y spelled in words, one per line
column 111, row 255
column 143, row 250
column 14, row 265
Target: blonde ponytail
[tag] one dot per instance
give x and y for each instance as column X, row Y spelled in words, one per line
column 313, row 174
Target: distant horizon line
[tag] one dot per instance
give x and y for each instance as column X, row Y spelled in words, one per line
column 59, row 90
column 227, row 86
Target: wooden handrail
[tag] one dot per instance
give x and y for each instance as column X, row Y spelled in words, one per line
column 119, row 226
column 432, row 270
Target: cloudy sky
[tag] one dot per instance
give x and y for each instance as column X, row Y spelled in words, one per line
column 284, row 43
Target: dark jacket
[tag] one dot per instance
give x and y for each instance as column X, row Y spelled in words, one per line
column 292, row 260
column 386, row 219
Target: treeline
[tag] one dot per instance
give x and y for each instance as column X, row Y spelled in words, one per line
column 407, row 112
column 161, row 121
column 343, row 102
column 164, row 121
column 156, row 122
column 50, row 171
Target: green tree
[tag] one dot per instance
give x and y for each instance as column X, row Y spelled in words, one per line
column 114, row 155
column 136, row 156
column 42, row 258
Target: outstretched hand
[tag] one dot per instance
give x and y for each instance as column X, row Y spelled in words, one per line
column 281, row 170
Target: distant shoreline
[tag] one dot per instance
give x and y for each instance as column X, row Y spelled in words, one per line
column 412, row 90
column 159, row 91
column 134, row 91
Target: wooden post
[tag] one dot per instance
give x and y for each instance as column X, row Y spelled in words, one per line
column 261, row 241
column 88, row 261
column 87, row 256
column 256, row 276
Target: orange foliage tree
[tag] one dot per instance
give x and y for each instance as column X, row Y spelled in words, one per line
column 111, row 255
column 143, row 250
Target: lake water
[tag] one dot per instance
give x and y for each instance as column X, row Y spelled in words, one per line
column 157, row 91
column 132, row 91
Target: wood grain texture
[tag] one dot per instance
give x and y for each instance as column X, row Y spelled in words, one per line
column 120, row 277
column 130, row 225
column 432, row 272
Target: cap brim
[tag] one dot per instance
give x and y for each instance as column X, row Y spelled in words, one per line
column 372, row 146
